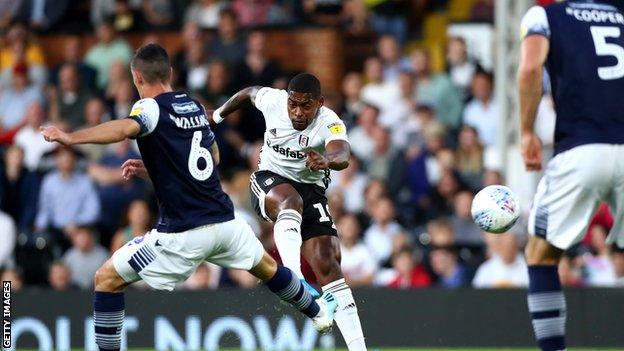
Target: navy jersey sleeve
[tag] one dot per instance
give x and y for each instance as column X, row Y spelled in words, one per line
column 146, row 113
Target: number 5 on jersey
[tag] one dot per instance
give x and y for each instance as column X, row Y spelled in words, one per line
column 198, row 152
column 603, row 48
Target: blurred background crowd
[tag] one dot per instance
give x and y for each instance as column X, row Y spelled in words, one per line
column 417, row 100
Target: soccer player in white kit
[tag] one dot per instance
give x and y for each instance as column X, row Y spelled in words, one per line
column 581, row 44
column 303, row 142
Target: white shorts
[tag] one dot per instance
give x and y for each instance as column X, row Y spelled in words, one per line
column 164, row 259
column 574, row 184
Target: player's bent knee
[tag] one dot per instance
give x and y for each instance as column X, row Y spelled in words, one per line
column 292, row 202
column 107, row 279
column 539, row 252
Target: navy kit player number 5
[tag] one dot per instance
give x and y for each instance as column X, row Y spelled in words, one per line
column 581, row 44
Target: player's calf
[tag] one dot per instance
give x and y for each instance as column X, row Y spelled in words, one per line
column 546, row 299
column 108, row 307
column 323, row 253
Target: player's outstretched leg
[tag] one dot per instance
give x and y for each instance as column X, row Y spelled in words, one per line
column 108, row 307
column 285, row 284
column 546, row 299
column 323, row 254
column 284, row 205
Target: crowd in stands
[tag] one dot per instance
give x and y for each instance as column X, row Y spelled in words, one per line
column 420, row 142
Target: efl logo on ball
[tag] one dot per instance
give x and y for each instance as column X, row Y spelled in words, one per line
column 495, row 209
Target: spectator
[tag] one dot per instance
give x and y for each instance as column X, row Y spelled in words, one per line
column 599, row 270
column 352, row 105
column 84, row 257
column 258, row 68
column 115, row 193
column 436, row 89
column 390, row 55
column 403, row 107
column 196, row 68
column 191, row 37
column 378, row 237
column 506, row 268
column 451, row 274
column 252, row 13
column 460, row 68
column 29, row 137
column 118, row 76
column 107, row 50
column 356, row 263
column 377, row 91
column 15, row 276
column 158, row 14
column 440, row 199
column 467, row 233
column 8, row 237
column 570, row 272
column 217, row 90
column 204, row 13
column 469, row 156
column 94, row 114
column 126, row 18
column 351, row 182
column 22, row 48
column 67, row 199
column 71, row 55
column 60, row 278
column 69, row 100
column 138, row 224
column 125, row 97
column 482, row 111
column 618, row 265
column 229, row 45
column 19, row 189
column 15, row 100
column 43, row 14
column 8, row 11
column 384, row 153
column 408, row 274
column 361, row 136
column 388, row 18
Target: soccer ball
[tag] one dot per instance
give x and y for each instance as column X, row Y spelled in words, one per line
column 495, row 209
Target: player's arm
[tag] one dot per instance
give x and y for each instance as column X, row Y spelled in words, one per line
column 105, row 133
column 237, row 101
column 534, row 52
column 214, row 151
column 336, row 156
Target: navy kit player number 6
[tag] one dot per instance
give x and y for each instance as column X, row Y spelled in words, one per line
column 196, row 218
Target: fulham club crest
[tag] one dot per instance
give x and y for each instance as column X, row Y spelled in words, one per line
column 303, row 140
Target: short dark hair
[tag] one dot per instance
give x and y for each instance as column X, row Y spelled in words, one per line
column 305, row 83
column 152, row 61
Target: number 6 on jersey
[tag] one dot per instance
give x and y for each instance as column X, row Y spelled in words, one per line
column 198, row 152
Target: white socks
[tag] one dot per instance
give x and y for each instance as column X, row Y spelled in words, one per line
column 287, row 236
column 346, row 316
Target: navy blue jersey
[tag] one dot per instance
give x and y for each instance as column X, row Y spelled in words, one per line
column 174, row 141
column 586, row 68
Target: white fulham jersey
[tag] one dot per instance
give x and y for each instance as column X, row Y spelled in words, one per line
column 283, row 151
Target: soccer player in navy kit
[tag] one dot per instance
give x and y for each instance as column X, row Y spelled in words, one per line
column 581, row 44
column 196, row 218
